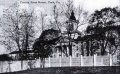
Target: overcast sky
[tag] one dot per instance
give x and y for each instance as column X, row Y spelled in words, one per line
column 91, row 5
column 88, row 5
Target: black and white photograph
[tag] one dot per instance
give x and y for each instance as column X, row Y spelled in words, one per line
column 59, row 36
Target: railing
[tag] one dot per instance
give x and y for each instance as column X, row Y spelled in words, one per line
column 61, row 62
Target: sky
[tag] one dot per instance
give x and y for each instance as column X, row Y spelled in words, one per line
column 91, row 5
column 88, row 5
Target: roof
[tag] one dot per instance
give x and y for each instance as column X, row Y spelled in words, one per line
column 78, row 32
column 89, row 37
column 65, row 39
column 72, row 17
column 17, row 52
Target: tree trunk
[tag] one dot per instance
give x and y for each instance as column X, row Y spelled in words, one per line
column 102, row 49
column 91, row 49
column 42, row 63
column 70, row 44
column 87, row 47
column 82, row 49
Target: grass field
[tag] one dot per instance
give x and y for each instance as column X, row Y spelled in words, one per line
column 72, row 70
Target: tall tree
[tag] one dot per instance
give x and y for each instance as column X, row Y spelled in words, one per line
column 100, row 25
column 17, row 29
column 44, row 45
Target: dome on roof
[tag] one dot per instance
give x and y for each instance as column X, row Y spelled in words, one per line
column 72, row 17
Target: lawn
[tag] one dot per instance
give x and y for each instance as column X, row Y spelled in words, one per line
column 72, row 70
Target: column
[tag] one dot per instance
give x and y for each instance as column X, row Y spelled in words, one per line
column 94, row 64
column 49, row 62
column 60, row 61
column 81, row 59
column 110, row 57
column 70, row 61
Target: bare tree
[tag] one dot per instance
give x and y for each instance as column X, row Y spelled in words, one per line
column 40, row 21
column 18, row 30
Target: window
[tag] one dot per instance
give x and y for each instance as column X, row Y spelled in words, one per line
column 77, row 55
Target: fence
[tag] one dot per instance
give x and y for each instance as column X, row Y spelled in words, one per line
column 60, row 62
